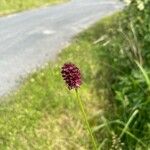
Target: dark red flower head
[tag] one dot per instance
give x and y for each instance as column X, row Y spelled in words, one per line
column 72, row 76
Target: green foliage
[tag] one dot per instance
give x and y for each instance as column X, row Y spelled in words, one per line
column 138, row 13
column 113, row 56
column 128, row 54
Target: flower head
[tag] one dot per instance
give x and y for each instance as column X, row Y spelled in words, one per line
column 72, row 76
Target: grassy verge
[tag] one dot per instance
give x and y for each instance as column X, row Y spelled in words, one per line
column 7, row 7
column 43, row 113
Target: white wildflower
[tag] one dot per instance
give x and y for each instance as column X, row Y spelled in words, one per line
column 128, row 2
column 140, row 5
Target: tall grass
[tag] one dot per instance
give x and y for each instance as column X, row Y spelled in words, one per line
column 127, row 128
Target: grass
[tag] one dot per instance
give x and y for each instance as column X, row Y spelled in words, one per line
column 43, row 113
column 12, row 6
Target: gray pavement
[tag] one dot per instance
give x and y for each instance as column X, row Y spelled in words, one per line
column 31, row 38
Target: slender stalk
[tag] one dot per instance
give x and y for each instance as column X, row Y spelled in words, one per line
column 128, row 123
column 86, row 120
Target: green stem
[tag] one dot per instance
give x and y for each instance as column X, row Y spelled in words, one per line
column 86, row 120
column 128, row 123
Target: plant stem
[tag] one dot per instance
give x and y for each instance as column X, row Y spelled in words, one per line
column 86, row 120
column 128, row 123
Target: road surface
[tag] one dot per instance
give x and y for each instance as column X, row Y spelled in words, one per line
column 31, row 38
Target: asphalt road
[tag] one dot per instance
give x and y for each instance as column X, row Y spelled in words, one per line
column 31, row 38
